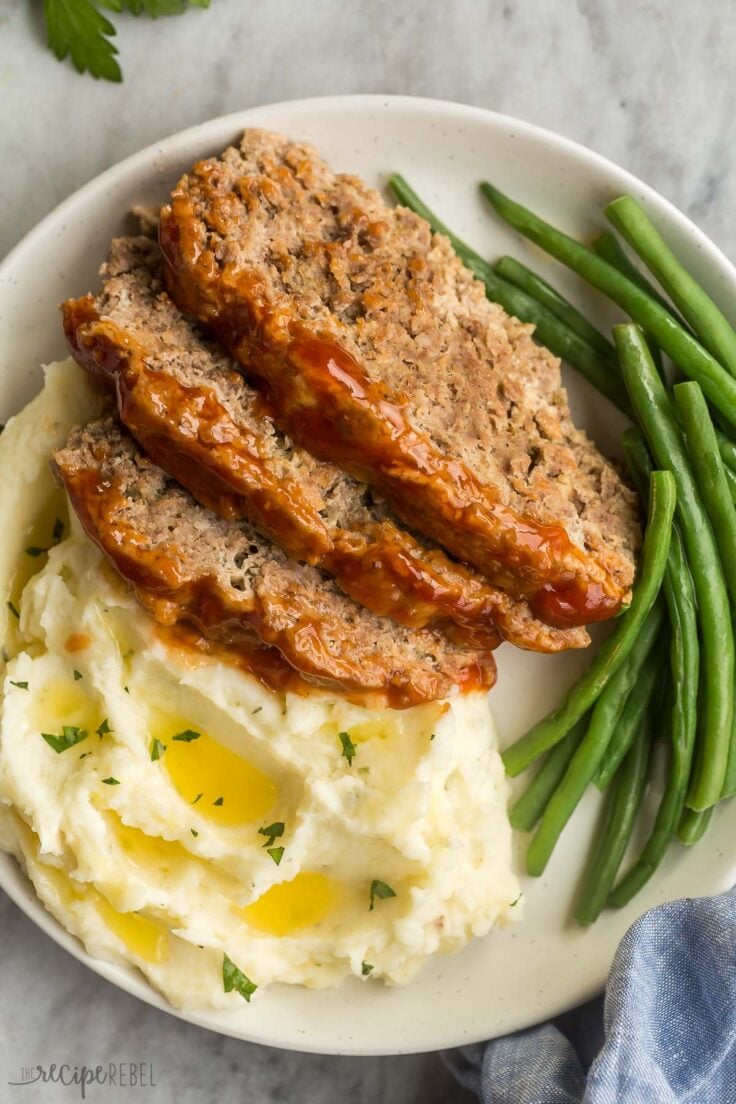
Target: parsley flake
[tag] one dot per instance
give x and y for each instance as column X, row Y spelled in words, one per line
column 194, row 832
column 381, row 891
column 77, row 676
column 273, row 832
column 187, row 736
column 157, row 750
column 256, row 710
column 103, row 729
column 348, row 747
column 276, row 853
column 197, row 798
column 111, row 781
column 70, row 736
column 365, row 968
column 219, row 801
column 33, row 551
column 235, row 979
column 13, row 610
column 20, row 685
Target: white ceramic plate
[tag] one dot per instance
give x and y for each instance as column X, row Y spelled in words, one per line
column 545, row 964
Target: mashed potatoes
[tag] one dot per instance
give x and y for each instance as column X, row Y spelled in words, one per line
column 175, row 814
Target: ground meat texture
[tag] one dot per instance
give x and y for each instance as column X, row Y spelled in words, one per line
column 199, row 419
column 382, row 354
column 187, row 564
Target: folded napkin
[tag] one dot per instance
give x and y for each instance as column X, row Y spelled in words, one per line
column 665, row 1032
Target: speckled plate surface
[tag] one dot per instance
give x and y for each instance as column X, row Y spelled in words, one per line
column 544, row 964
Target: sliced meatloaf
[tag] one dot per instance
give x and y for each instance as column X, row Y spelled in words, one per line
column 200, row 420
column 382, row 354
column 187, row 564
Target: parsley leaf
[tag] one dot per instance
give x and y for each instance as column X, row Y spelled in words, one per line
column 233, row 978
column 197, row 798
column 365, row 968
column 157, row 750
column 219, row 801
column 194, row 832
column 111, row 781
column 77, row 28
column 70, row 735
column 381, row 891
column 187, row 736
column 273, row 832
column 20, row 685
column 348, row 747
column 13, row 610
column 104, row 728
column 154, row 8
column 276, row 853
column 77, row 676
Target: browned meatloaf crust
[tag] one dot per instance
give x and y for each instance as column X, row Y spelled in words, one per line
column 188, row 564
column 382, row 354
column 180, row 396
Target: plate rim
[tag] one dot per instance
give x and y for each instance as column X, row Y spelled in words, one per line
column 13, row 880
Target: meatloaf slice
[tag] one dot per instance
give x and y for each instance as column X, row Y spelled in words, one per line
column 382, row 354
column 199, row 419
column 187, row 564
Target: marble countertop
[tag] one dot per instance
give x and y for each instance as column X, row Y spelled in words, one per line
column 646, row 82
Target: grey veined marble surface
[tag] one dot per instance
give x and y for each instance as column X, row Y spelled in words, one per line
column 650, row 84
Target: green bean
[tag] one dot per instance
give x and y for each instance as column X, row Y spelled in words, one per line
column 727, row 449
column 522, row 277
column 693, row 825
column 690, row 356
column 528, row 809
column 648, row 676
column 709, row 324
column 611, row 843
column 610, row 249
column 702, row 445
column 549, row 330
column 656, row 416
column 684, row 665
column 587, row 689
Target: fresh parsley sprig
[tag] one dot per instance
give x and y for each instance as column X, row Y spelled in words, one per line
column 78, row 29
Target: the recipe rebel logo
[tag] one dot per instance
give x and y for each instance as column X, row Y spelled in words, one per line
column 120, row 1075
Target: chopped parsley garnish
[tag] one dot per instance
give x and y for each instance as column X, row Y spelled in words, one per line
column 33, row 551
column 187, row 736
column 157, row 750
column 70, row 736
column 256, row 710
column 58, row 531
column 219, row 801
column 381, row 891
column 110, row 781
column 85, row 754
column 13, row 610
column 432, row 736
column 197, row 798
column 276, row 853
column 235, row 979
column 272, row 832
column 348, row 747
column 20, row 685
column 103, row 729
column 365, row 968
column 125, row 688
column 194, row 832
column 77, row 676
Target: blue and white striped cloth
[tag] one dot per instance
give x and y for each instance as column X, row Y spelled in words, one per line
column 665, row 1032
